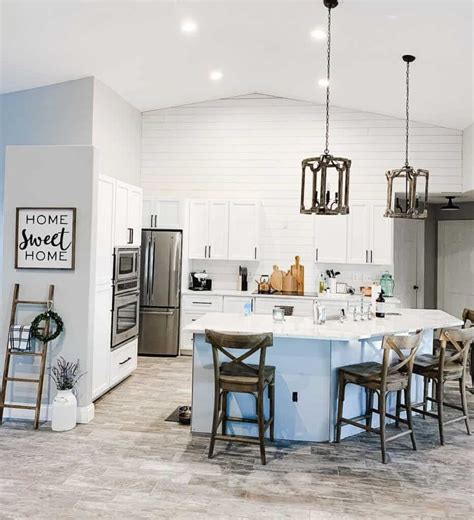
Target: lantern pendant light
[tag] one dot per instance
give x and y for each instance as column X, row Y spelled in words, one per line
column 326, row 170
column 409, row 201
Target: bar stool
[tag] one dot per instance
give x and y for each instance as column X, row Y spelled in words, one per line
column 382, row 379
column 468, row 318
column 448, row 364
column 235, row 376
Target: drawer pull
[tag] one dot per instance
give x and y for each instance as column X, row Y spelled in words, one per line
column 126, row 361
column 202, row 303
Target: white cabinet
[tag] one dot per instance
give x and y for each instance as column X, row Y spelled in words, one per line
column 101, row 341
column 128, row 214
column 160, row 213
column 198, row 230
column 244, row 217
column 208, row 229
column 202, row 303
column 236, row 303
column 186, row 338
column 381, row 231
column 105, row 231
column 370, row 237
column 223, row 230
column 330, row 238
column 123, row 361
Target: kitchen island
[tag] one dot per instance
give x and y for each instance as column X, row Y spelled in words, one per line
column 306, row 357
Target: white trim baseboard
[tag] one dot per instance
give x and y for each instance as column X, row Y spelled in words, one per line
column 85, row 414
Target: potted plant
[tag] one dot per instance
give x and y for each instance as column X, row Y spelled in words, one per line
column 64, row 410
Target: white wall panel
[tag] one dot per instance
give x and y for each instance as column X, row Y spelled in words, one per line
column 252, row 146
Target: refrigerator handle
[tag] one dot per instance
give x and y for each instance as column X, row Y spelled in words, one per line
column 152, row 268
column 173, row 282
column 146, row 269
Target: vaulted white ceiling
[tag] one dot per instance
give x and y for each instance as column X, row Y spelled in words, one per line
column 136, row 47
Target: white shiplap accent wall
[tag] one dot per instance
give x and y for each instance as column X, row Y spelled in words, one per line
column 251, row 147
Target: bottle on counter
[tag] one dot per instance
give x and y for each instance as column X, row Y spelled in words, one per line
column 380, row 306
column 319, row 313
column 322, row 284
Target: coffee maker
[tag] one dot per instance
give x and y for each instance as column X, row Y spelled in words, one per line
column 200, row 281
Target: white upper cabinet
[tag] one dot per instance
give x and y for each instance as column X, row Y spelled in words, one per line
column 105, row 230
column 223, row 230
column 162, row 213
column 244, row 220
column 330, row 238
column 198, row 230
column 370, row 237
column 218, row 226
column 358, row 243
column 128, row 214
column 381, row 231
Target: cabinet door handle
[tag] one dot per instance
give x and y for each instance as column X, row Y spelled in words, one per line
column 151, row 220
column 156, row 220
column 126, row 361
column 371, row 256
column 366, row 256
column 130, row 235
column 209, row 251
column 255, row 253
column 316, row 255
column 205, row 251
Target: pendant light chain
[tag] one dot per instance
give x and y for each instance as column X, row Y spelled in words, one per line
column 326, row 150
column 407, row 113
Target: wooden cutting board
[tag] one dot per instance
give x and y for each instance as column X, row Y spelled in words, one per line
column 289, row 282
column 297, row 271
column 276, row 279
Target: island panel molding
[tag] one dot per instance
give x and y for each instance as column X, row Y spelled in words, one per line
column 45, row 238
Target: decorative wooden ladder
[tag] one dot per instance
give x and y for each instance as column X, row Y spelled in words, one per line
column 42, row 355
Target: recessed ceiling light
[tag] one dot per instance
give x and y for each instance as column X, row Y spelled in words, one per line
column 323, row 82
column 318, row 34
column 188, row 26
column 216, row 75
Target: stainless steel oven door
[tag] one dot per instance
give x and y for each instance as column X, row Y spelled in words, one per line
column 125, row 317
column 127, row 263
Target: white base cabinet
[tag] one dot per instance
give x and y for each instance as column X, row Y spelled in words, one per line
column 101, row 345
column 123, row 361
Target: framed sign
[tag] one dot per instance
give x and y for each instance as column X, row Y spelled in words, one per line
column 45, row 238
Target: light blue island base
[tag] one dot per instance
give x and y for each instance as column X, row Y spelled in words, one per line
column 308, row 367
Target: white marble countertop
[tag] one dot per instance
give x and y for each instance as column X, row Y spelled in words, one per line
column 409, row 320
column 248, row 294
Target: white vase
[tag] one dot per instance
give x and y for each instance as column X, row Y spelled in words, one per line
column 64, row 411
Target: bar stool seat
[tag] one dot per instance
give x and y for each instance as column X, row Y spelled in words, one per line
column 245, row 375
column 369, row 375
column 428, row 365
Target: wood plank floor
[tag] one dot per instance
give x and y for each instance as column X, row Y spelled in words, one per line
column 130, row 463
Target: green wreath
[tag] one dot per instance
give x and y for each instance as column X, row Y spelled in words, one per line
column 49, row 315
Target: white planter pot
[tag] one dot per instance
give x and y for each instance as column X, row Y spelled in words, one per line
column 64, row 411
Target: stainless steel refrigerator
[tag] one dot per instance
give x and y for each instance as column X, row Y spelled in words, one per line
column 160, row 293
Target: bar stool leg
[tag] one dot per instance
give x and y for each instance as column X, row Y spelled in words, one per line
column 369, row 404
column 439, row 397
column 382, row 410
column 410, row 416
column 426, row 383
column 224, row 413
column 462, row 389
column 271, row 395
column 340, row 405
column 215, row 421
column 398, row 408
column 261, row 426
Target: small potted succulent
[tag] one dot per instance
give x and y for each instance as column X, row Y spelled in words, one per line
column 64, row 410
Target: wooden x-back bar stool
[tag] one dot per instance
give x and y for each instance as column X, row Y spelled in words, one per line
column 382, row 379
column 448, row 364
column 236, row 376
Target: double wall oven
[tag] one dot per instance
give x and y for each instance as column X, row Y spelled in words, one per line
column 126, row 300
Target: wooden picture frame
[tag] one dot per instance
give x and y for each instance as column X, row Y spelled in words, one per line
column 50, row 247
